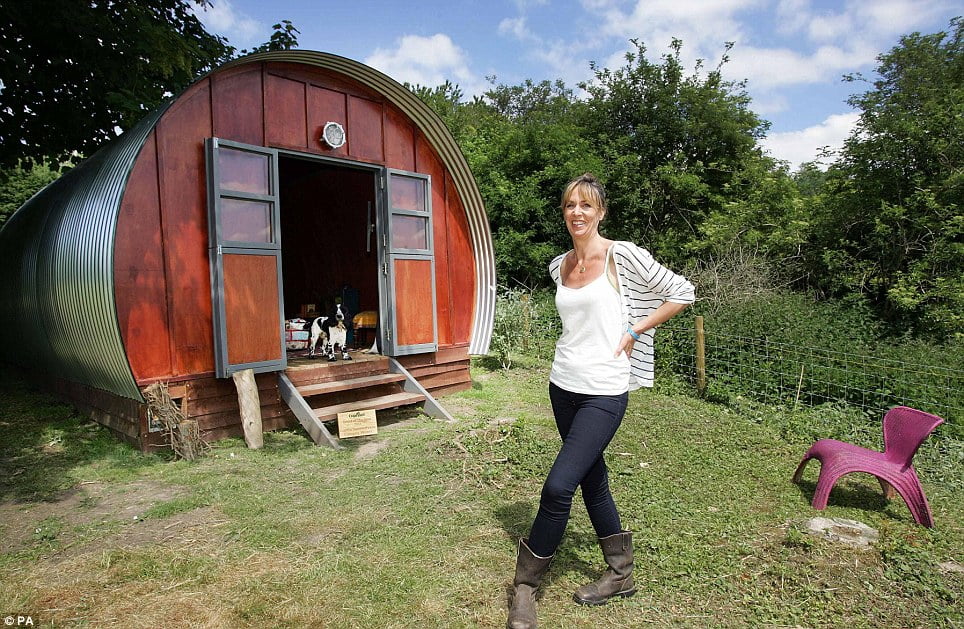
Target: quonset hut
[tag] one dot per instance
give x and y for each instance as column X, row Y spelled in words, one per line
column 279, row 183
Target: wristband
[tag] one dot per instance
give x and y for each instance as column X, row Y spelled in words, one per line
column 632, row 333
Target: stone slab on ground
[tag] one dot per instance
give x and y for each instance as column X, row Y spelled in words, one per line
column 849, row 532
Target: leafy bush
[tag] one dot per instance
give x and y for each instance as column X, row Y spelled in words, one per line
column 525, row 323
column 786, row 348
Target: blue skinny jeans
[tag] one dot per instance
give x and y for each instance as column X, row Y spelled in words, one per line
column 586, row 423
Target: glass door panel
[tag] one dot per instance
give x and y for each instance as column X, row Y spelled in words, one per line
column 409, row 266
column 245, row 255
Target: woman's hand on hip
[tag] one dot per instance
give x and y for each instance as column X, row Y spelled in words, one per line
column 625, row 345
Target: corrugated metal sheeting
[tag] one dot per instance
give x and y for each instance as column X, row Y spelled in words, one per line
column 57, row 302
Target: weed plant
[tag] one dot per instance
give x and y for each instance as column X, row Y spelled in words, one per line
column 525, row 323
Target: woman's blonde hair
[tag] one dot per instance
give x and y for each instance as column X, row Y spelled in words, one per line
column 589, row 188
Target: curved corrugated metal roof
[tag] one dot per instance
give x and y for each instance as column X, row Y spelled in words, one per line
column 451, row 155
column 57, row 306
column 58, row 301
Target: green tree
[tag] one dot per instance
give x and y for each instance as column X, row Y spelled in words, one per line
column 532, row 144
column 75, row 71
column 890, row 225
column 18, row 185
column 284, row 37
column 674, row 143
column 523, row 144
column 71, row 83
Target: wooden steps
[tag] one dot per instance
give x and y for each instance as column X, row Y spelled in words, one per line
column 393, row 400
column 319, row 391
column 334, row 386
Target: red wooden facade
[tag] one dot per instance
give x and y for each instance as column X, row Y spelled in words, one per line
column 161, row 262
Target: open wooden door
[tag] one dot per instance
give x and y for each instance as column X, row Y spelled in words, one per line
column 408, row 266
column 245, row 253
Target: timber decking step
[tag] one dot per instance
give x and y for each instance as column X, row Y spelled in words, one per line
column 345, row 385
column 328, row 413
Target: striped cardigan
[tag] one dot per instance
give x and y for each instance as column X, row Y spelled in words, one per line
column 644, row 284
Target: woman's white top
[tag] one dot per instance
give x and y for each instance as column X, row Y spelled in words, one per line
column 592, row 326
column 644, row 284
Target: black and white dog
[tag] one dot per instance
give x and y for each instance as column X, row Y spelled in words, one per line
column 332, row 333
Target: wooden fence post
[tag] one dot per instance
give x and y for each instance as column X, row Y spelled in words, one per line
column 250, row 404
column 700, row 357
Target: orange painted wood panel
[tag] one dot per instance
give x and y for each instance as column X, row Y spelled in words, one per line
column 238, row 105
column 140, row 286
column 461, row 265
column 180, row 153
column 399, row 140
column 326, row 106
column 285, row 123
column 428, row 162
column 365, row 136
column 322, row 77
column 253, row 324
column 413, row 302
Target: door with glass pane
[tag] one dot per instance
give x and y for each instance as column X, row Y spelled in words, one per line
column 408, row 266
column 245, row 254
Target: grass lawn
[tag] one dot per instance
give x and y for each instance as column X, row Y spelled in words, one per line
column 416, row 526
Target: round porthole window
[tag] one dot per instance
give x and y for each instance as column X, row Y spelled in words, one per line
column 333, row 135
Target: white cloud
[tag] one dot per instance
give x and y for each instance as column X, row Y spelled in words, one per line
column 829, row 27
column 792, row 16
column 562, row 58
column 427, row 61
column 517, row 28
column 797, row 147
column 777, row 67
column 222, row 18
column 696, row 22
column 821, row 44
column 888, row 18
column 770, row 103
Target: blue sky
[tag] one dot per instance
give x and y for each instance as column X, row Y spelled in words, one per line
column 793, row 53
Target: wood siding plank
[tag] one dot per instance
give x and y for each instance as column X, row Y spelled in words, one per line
column 365, row 135
column 399, row 141
column 180, row 153
column 324, row 106
column 285, row 121
column 238, row 105
column 140, row 285
column 462, row 277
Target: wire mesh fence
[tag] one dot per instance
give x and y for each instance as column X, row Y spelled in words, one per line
column 776, row 372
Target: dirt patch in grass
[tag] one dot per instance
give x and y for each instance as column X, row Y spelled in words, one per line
column 88, row 505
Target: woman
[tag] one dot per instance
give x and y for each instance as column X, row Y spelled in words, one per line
column 610, row 297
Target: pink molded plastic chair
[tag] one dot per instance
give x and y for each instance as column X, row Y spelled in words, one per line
column 904, row 430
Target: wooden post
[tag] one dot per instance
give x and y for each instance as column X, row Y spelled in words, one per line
column 700, row 357
column 250, row 405
column 189, row 438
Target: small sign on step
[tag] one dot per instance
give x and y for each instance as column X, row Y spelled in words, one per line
column 357, row 423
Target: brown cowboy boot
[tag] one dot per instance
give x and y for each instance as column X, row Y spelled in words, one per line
column 618, row 579
column 529, row 570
